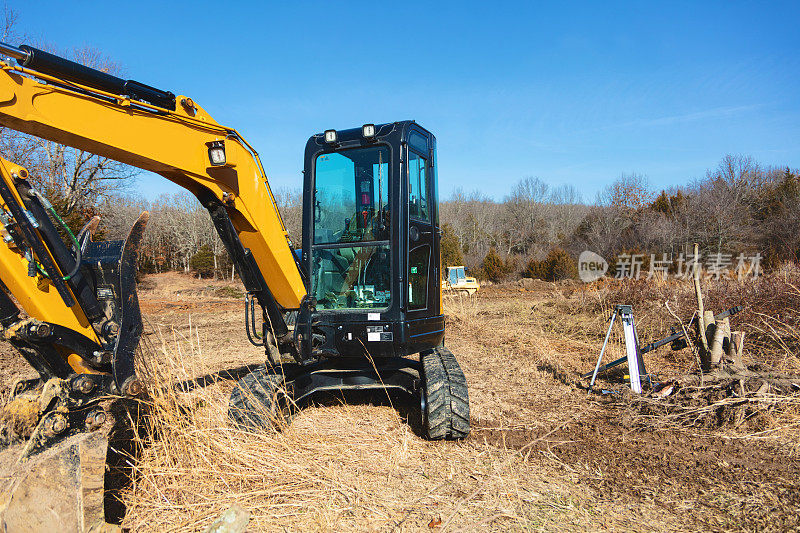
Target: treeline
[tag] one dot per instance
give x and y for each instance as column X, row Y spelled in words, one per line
column 738, row 207
column 180, row 235
column 536, row 230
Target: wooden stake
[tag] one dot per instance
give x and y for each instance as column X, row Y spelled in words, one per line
column 702, row 325
column 716, row 343
column 699, row 294
column 737, row 344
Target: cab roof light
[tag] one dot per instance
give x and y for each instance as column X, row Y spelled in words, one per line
column 330, row 136
column 368, row 131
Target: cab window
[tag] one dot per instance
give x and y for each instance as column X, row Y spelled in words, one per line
column 453, row 276
column 419, row 263
column 418, row 206
column 352, row 196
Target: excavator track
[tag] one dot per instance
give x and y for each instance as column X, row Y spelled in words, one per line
column 259, row 401
column 445, row 397
column 266, row 398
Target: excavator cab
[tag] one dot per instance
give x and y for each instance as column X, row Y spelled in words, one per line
column 372, row 315
column 371, row 241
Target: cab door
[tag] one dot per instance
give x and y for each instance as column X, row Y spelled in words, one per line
column 424, row 285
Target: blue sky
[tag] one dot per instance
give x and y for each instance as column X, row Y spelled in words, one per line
column 570, row 92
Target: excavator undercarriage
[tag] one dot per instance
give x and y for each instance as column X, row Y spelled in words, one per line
column 358, row 308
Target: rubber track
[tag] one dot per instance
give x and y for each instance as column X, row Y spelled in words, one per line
column 252, row 403
column 447, row 400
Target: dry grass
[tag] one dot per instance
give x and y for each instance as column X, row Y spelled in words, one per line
column 334, row 468
column 184, row 287
column 347, row 467
column 543, row 455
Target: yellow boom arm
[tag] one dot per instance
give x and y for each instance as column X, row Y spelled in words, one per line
column 174, row 144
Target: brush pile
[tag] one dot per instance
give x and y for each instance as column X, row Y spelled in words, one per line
column 749, row 400
column 718, row 382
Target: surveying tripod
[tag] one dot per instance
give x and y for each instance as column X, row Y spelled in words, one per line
column 636, row 368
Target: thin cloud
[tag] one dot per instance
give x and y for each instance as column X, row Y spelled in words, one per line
column 718, row 112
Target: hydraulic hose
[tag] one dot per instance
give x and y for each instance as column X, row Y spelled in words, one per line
column 75, row 244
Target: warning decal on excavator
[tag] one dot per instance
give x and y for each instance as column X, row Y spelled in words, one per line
column 377, row 333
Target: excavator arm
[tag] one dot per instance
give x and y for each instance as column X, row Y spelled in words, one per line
column 61, row 101
column 81, row 323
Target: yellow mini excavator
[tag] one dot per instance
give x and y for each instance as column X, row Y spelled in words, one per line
column 349, row 311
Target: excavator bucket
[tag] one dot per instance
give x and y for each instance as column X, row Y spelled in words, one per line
column 59, row 467
column 60, row 489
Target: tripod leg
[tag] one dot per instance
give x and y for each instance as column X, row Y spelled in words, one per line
column 633, row 354
column 602, row 351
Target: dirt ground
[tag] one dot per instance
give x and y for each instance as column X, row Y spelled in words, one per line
column 544, row 454
column 523, row 352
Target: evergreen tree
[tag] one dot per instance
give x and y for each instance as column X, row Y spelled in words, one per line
column 451, row 248
column 203, row 261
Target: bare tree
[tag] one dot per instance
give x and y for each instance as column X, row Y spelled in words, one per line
column 629, row 192
column 71, row 178
column 563, row 214
column 523, row 212
column 475, row 221
column 75, row 177
column 290, row 206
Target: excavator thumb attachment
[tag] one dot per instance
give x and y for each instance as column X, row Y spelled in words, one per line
column 55, row 429
column 130, row 328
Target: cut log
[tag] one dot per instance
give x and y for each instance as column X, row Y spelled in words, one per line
column 737, row 344
column 706, row 335
column 726, row 337
column 716, row 343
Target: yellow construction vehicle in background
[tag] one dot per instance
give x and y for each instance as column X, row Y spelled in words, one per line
column 456, row 280
column 351, row 310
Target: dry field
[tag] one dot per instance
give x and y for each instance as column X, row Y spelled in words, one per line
column 544, row 455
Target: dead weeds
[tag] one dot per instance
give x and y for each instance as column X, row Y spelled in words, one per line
column 543, row 454
column 342, row 467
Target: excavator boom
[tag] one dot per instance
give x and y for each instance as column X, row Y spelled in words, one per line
column 81, row 323
column 175, row 143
